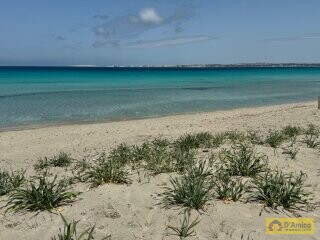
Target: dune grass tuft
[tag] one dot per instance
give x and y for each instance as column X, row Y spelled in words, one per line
column 193, row 141
column 121, row 154
column 242, row 160
column 312, row 130
column 108, row 170
column 290, row 131
column 254, row 137
column 311, row 140
column 39, row 195
column 226, row 188
column 235, row 136
column 159, row 160
column 193, row 190
column 276, row 189
column 9, row 181
column 291, row 151
column 61, row 160
column 186, row 227
column 183, row 160
column 70, row 232
column 275, row 138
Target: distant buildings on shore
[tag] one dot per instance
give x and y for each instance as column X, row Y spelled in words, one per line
column 239, row 65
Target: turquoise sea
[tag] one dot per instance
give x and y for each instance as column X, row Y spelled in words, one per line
column 51, row 95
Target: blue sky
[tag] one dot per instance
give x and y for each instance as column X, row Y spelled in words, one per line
column 135, row 32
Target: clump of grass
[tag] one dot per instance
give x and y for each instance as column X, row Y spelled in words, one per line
column 255, row 137
column 217, row 140
column 42, row 164
column 70, row 232
column 186, row 227
column 204, row 139
column 187, row 142
column 242, row 160
column 39, row 195
column 184, row 160
column 160, row 142
column 275, row 138
column 80, row 170
column 158, row 160
column 9, row 181
column 291, row 131
column 312, row 130
column 311, row 140
column 280, row 189
column 235, row 136
column 140, row 153
column 107, row 170
column 121, row 154
column 61, row 160
column 193, row 190
column 226, row 188
column 291, row 151
column 193, row 141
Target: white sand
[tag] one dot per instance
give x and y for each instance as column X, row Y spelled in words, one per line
column 137, row 215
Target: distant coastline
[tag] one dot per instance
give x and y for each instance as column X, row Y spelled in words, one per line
column 235, row 65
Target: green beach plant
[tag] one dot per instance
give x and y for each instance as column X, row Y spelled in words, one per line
column 255, row 137
column 80, row 170
column 9, row 181
column 312, row 130
column 193, row 141
column 186, row 226
column 160, row 142
column 217, row 140
column 242, row 160
column 193, row 190
column 276, row 189
column 226, row 188
column 204, row 139
column 70, row 231
column 42, row 164
column 291, row 131
column 291, row 151
column 235, row 136
column 39, row 195
column 108, row 170
column 311, row 140
column 140, row 153
column 184, row 160
column 159, row 160
column 122, row 154
column 61, row 160
column 275, row 138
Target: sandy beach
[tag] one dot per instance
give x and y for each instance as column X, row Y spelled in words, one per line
column 132, row 211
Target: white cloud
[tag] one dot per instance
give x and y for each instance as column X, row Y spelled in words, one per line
column 170, row 42
column 150, row 16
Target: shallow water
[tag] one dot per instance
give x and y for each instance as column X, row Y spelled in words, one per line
column 60, row 95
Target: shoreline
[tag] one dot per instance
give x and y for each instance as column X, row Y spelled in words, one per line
column 21, row 146
column 104, row 121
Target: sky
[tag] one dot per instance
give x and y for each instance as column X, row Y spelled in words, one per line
column 158, row 32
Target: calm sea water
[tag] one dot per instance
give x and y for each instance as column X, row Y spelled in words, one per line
column 57, row 95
